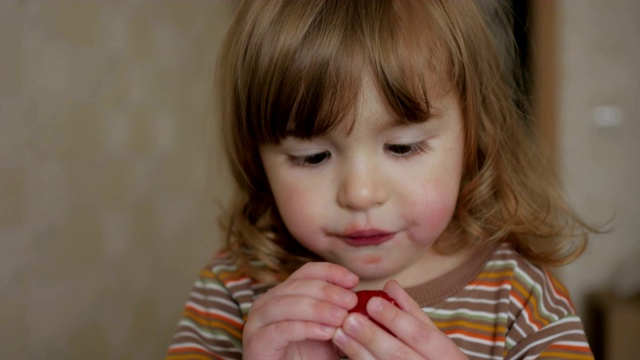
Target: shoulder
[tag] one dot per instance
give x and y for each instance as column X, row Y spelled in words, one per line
column 222, row 269
column 540, row 308
column 531, row 287
column 214, row 315
column 512, row 308
column 222, row 275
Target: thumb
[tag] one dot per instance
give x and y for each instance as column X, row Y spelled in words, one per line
column 406, row 302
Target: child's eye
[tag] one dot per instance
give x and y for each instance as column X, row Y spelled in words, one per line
column 310, row 160
column 405, row 150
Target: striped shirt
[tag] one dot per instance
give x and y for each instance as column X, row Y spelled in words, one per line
column 496, row 306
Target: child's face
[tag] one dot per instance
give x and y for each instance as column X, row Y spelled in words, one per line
column 375, row 199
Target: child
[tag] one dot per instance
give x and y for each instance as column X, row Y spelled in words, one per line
column 376, row 145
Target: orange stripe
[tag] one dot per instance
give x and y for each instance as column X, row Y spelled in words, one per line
column 490, row 283
column 207, row 315
column 191, row 357
column 485, row 278
column 214, row 324
column 519, row 299
column 226, row 277
column 187, row 352
column 556, row 282
column 475, row 335
column 505, row 273
column 532, row 310
column 223, row 276
column 208, row 274
column 528, row 309
column 559, row 289
column 462, row 327
column 576, row 348
column 470, row 325
column 559, row 355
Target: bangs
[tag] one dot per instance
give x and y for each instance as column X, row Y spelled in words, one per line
column 306, row 81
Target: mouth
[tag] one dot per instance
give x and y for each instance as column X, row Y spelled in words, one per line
column 367, row 237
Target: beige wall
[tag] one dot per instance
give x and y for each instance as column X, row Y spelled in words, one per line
column 599, row 64
column 105, row 212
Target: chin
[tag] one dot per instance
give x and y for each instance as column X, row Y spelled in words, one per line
column 373, row 273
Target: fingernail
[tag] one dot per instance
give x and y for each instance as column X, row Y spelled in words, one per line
column 353, row 323
column 340, row 338
column 352, row 277
column 327, row 330
column 338, row 313
column 374, row 305
column 346, row 297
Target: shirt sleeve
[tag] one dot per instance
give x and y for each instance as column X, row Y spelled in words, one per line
column 212, row 320
column 545, row 325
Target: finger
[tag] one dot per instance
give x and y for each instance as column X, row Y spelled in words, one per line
column 349, row 347
column 412, row 331
column 310, row 300
column 406, row 302
column 328, row 272
column 304, row 297
column 368, row 339
column 278, row 336
column 317, row 289
column 296, row 308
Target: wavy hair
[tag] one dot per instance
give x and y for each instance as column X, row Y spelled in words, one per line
column 294, row 67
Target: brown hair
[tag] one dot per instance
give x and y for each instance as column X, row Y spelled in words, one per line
column 294, row 67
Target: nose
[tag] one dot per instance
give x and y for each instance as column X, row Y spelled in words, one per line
column 362, row 189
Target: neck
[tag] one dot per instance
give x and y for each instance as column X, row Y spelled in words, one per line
column 432, row 265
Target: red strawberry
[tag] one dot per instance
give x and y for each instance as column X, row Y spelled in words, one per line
column 363, row 298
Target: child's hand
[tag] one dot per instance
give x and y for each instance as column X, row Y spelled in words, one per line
column 297, row 318
column 416, row 337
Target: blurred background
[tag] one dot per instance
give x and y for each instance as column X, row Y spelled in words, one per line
column 111, row 178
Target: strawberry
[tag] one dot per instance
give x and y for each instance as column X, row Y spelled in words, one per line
column 363, row 298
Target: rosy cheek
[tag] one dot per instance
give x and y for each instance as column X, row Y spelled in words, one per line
column 434, row 215
column 432, row 212
column 295, row 207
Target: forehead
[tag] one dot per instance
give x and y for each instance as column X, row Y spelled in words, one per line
column 373, row 104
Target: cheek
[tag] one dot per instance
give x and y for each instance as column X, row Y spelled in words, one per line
column 295, row 205
column 433, row 210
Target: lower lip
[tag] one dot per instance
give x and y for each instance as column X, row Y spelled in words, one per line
column 368, row 240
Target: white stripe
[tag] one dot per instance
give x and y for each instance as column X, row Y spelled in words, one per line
column 477, row 301
column 213, row 299
column 242, row 292
column 224, row 268
column 570, row 343
column 488, row 288
column 197, row 335
column 555, row 302
column 213, row 349
column 521, row 332
column 210, row 284
column 502, row 263
column 524, row 315
column 480, row 355
column 559, row 297
column 214, row 311
column 233, row 283
column 547, row 339
column 537, row 288
column 510, row 340
column 475, row 340
column 468, row 312
column 505, row 251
